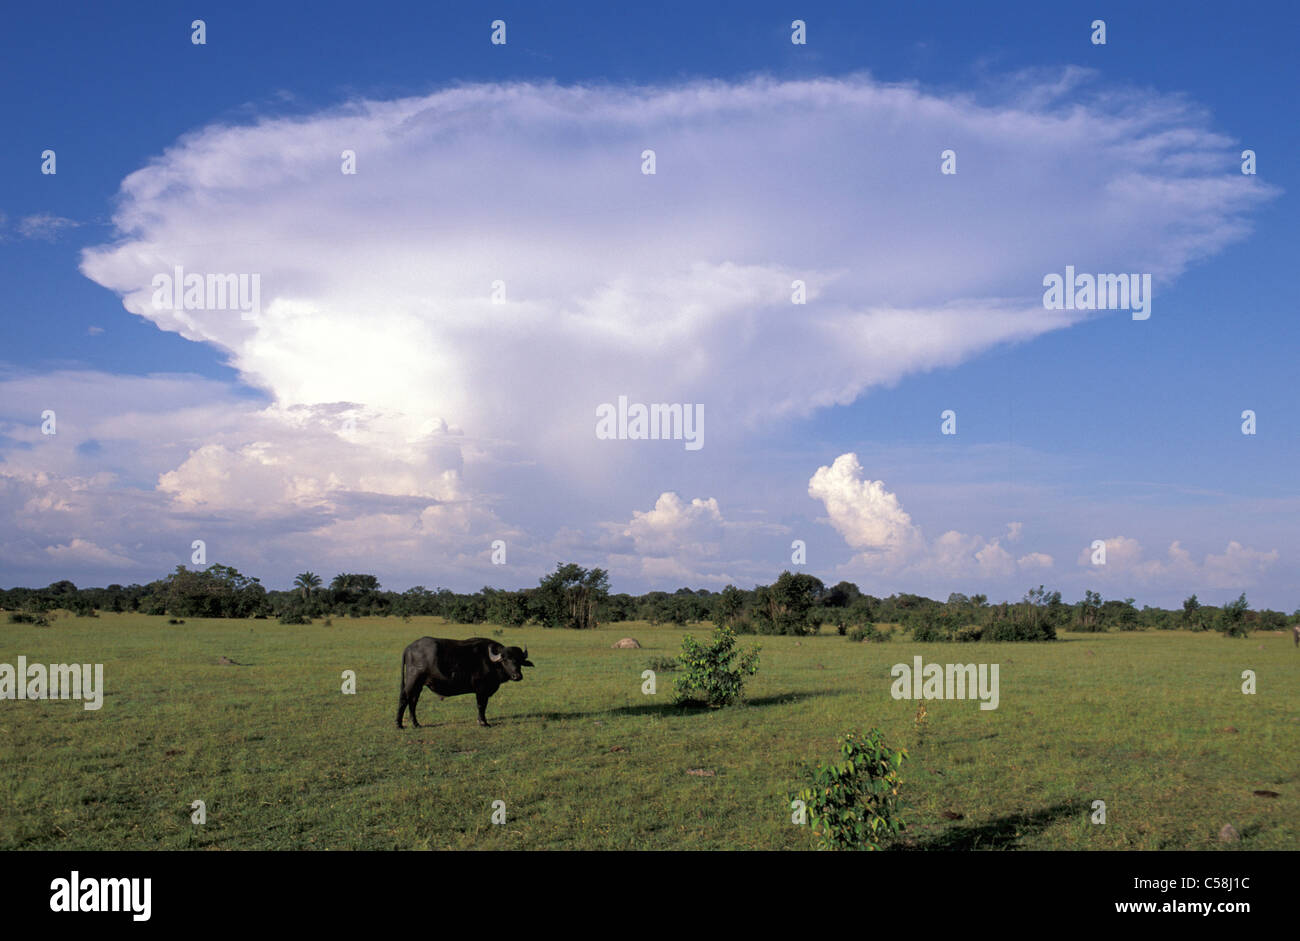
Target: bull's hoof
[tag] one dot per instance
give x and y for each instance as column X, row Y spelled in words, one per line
column 486, row 725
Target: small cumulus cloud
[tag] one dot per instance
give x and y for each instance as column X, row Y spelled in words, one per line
column 1237, row 567
column 872, row 519
column 675, row 539
column 1035, row 560
column 80, row 552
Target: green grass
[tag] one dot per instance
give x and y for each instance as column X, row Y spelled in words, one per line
column 283, row 760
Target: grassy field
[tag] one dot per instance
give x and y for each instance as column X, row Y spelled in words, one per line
column 1154, row 724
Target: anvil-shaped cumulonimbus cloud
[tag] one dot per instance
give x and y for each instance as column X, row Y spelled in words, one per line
column 499, row 261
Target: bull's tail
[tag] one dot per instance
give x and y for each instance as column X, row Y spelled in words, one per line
column 401, row 690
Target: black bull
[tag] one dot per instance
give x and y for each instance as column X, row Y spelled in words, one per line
column 456, row 667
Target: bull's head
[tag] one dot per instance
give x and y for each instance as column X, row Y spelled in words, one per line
column 511, row 659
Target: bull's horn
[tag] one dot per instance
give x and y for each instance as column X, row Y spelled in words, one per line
column 525, row 653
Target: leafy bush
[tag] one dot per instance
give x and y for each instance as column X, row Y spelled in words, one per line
column 869, row 632
column 1091, row 627
column 22, row 617
column 925, row 630
column 175, row 620
column 294, row 617
column 709, row 673
column 1008, row 630
column 854, row 804
column 663, row 665
column 1232, row 619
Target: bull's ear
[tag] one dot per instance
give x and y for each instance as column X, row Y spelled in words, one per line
column 496, row 652
column 526, row 663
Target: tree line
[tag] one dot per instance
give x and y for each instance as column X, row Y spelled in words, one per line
column 576, row 597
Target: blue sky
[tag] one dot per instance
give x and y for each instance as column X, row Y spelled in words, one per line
column 470, row 425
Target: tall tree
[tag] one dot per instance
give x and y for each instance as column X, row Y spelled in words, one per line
column 307, row 581
column 569, row 596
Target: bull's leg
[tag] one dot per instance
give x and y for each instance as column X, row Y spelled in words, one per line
column 412, row 698
column 482, row 708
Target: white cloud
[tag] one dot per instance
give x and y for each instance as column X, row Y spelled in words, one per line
column 674, row 524
column 675, row 539
column 866, row 514
column 44, row 226
column 1035, row 560
column 376, row 307
column 871, row 518
column 82, row 552
column 376, row 286
column 1236, row 568
column 1122, row 553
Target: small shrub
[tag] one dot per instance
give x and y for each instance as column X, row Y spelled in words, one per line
column 969, row 634
column 175, row 620
column 868, row 632
column 1004, row 629
column 22, row 617
column 663, row 665
column 709, row 673
column 855, row 804
column 328, row 622
column 929, row 632
column 294, row 617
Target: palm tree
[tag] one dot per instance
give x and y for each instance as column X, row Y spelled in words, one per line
column 307, row 581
